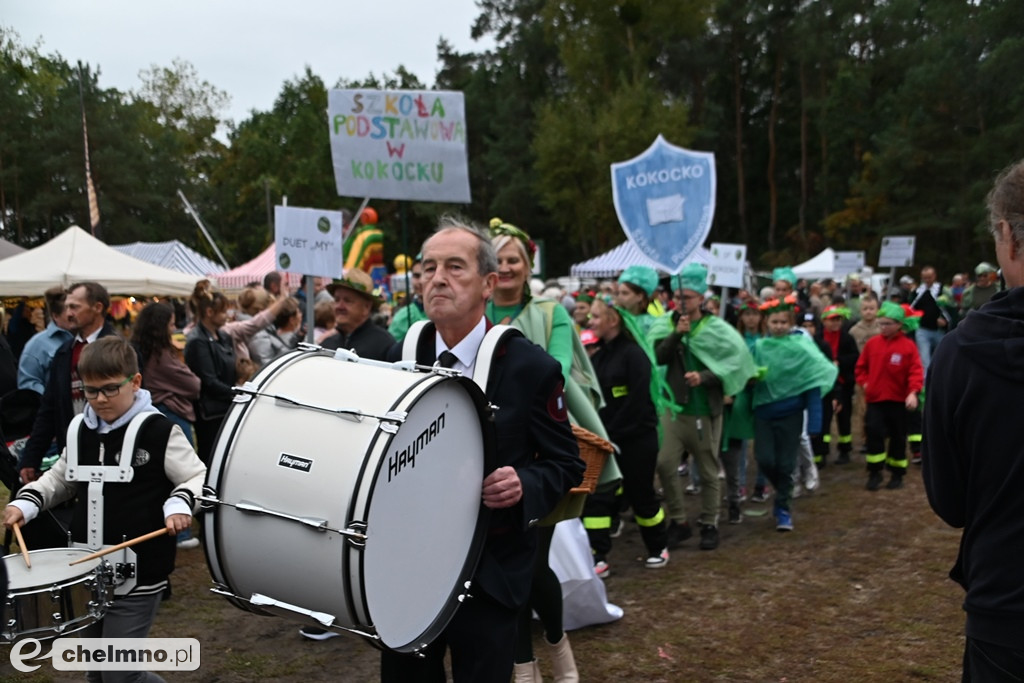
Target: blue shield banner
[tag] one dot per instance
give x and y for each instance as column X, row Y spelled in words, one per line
column 665, row 201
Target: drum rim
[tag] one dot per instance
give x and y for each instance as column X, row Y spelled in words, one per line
column 84, row 570
column 440, row 621
column 212, row 549
column 422, row 386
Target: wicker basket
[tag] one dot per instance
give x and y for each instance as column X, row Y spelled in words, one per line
column 595, row 451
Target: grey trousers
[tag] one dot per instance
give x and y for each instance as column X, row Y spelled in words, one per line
column 128, row 617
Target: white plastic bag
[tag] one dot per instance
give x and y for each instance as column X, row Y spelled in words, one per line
column 584, row 600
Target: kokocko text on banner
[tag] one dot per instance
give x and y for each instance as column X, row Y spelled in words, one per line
column 665, row 201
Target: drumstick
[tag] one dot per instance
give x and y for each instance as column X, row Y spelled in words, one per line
column 21, row 544
column 119, row 546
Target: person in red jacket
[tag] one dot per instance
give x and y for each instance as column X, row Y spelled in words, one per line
column 891, row 373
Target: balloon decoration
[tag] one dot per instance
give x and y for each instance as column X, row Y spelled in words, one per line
column 402, row 263
column 364, row 248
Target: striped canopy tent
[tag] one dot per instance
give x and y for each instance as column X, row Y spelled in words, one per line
column 9, row 249
column 612, row 263
column 173, row 255
column 253, row 271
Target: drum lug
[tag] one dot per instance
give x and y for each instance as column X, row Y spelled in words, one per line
column 358, row 534
column 208, row 500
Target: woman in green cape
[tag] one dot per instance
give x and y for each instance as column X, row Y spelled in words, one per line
column 546, row 323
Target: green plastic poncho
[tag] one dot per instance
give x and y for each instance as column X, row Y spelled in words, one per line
column 661, row 392
column 717, row 345
column 789, row 366
column 582, row 389
column 404, row 319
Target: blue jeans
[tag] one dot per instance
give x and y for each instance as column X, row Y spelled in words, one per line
column 776, row 446
column 927, row 342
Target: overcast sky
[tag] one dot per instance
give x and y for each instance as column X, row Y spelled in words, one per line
column 247, row 48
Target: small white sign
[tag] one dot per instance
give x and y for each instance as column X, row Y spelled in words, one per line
column 308, row 241
column 897, row 252
column 849, row 262
column 726, row 265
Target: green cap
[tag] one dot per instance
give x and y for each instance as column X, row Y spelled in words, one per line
column 641, row 276
column 892, row 310
column 693, row 277
column 785, row 273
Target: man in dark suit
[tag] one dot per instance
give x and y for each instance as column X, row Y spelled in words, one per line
column 86, row 307
column 537, row 455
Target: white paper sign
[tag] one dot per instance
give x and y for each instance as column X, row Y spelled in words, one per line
column 665, row 210
column 897, row 252
column 399, row 144
column 308, row 241
column 726, row 264
column 848, row 262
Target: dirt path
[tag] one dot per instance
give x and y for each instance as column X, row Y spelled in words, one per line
column 858, row 592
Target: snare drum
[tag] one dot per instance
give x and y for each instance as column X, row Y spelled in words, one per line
column 348, row 495
column 52, row 599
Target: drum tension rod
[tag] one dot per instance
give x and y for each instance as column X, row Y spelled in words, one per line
column 257, row 509
column 388, row 419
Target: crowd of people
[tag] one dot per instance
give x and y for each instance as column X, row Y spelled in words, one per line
column 683, row 381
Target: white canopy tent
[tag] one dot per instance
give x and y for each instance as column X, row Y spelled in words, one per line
column 819, row 266
column 9, row 249
column 76, row 256
column 613, row 262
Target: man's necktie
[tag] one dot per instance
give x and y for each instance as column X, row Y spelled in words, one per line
column 447, row 359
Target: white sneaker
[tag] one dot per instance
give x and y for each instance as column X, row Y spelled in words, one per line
column 657, row 561
column 811, row 480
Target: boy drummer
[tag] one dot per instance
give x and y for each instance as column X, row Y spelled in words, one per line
column 165, row 478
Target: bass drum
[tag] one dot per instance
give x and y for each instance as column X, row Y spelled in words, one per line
column 347, row 494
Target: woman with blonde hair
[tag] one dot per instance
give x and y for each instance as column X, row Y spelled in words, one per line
column 546, row 323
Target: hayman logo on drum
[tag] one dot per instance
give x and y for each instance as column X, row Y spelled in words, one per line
column 407, row 457
column 295, row 462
